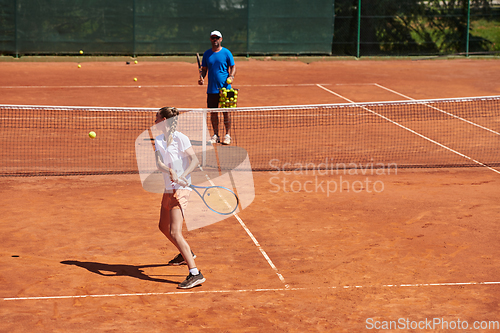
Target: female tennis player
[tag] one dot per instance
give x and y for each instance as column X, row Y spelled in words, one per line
column 176, row 159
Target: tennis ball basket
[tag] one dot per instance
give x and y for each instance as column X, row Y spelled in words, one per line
column 228, row 98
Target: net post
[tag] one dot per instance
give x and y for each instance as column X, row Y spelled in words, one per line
column 203, row 138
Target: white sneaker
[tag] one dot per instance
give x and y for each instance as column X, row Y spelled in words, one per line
column 214, row 139
column 227, row 140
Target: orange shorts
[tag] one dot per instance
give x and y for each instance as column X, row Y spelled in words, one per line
column 178, row 199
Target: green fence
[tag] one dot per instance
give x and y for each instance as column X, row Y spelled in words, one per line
column 250, row 27
column 136, row 27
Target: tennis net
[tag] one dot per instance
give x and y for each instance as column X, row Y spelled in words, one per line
column 461, row 132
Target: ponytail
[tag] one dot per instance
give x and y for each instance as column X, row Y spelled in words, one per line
column 168, row 113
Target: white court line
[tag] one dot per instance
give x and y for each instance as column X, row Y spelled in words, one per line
column 269, row 261
column 437, row 109
column 261, row 250
column 163, row 86
column 413, row 285
column 416, row 133
column 332, row 92
column 184, row 86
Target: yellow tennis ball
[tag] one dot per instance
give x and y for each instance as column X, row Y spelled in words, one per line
column 135, row 62
column 135, row 79
column 79, row 66
column 228, row 81
column 81, row 51
column 92, row 135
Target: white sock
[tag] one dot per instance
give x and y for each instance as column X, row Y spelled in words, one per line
column 194, row 271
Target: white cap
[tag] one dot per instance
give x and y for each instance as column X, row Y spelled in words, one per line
column 216, row 33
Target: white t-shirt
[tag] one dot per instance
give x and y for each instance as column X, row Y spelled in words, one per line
column 175, row 157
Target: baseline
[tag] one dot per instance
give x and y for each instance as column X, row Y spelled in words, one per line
column 414, row 285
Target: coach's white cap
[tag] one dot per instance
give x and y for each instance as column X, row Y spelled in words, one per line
column 216, row 33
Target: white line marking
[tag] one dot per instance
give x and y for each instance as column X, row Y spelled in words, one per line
column 414, row 285
column 414, row 132
column 437, row 109
column 433, row 141
column 269, row 261
column 164, row 86
column 183, row 86
column 392, row 91
column 332, row 92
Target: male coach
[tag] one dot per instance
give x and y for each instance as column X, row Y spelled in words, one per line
column 219, row 63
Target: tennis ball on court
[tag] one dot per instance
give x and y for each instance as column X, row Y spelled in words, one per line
column 135, row 79
column 79, row 66
column 135, row 62
column 81, row 51
column 92, row 135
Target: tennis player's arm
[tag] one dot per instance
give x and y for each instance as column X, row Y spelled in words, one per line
column 164, row 168
column 193, row 164
column 232, row 71
column 203, row 73
column 159, row 163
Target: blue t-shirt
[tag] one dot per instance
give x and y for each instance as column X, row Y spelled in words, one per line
column 218, row 64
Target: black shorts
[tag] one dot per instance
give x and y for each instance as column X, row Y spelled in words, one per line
column 212, row 101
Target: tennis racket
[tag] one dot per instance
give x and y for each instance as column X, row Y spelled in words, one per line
column 200, row 81
column 199, row 61
column 218, row 199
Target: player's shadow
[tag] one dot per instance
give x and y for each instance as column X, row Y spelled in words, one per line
column 119, row 270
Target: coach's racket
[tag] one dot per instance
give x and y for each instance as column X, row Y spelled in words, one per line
column 199, row 62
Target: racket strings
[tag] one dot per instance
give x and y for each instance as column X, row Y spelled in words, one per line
column 220, row 200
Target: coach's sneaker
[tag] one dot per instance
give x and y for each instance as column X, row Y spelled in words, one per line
column 227, row 140
column 179, row 260
column 214, row 139
column 192, row 281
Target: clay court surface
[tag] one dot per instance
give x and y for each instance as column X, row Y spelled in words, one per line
column 83, row 253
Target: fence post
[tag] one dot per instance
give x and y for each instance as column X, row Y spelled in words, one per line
column 359, row 28
column 468, row 29
column 134, row 13
column 248, row 28
column 15, row 29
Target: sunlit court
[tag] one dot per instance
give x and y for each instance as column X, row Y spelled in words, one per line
column 375, row 186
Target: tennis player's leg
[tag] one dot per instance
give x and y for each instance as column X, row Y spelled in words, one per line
column 227, row 125
column 213, row 103
column 169, row 221
column 176, row 237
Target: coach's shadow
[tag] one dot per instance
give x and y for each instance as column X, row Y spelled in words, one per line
column 118, row 270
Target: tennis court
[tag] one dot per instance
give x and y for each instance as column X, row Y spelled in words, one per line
column 341, row 250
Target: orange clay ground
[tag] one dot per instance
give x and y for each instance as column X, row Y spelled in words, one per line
column 83, row 253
